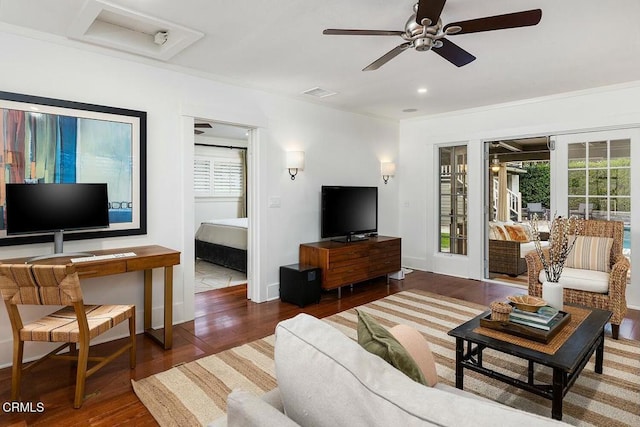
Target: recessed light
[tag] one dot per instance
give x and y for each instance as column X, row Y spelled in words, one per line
column 422, row 90
column 409, row 110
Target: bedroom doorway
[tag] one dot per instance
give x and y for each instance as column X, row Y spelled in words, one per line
column 518, row 188
column 220, row 199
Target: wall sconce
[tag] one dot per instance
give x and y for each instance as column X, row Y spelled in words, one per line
column 295, row 162
column 495, row 165
column 387, row 170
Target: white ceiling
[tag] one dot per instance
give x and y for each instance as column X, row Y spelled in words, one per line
column 277, row 45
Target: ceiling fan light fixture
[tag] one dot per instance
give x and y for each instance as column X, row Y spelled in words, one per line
column 453, row 29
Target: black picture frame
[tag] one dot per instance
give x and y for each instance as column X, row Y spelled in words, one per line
column 40, row 121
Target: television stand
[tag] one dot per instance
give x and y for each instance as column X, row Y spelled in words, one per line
column 352, row 262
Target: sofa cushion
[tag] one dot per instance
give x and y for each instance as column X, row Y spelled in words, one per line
column 517, row 232
column 590, row 253
column 582, row 280
column 418, row 349
column 245, row 409
column 497, row 231
column 327, row 379
column 374, row 338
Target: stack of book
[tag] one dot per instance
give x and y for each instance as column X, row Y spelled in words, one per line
column 543, row 319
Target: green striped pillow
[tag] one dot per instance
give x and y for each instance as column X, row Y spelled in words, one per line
column 590, row 253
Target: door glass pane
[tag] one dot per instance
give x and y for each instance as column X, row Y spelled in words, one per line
column 577, row 182
column 620, row 153
column 576, row 204
column 598, row 182
column 620, row 182
column 598, row 157
column 577, row 155
column 453, row 199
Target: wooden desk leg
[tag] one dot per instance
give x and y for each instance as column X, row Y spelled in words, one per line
column 163, row 337
column 168, row 307
column 148, row 299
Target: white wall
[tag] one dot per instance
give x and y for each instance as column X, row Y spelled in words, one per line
column 340, row 148
column 603, row 108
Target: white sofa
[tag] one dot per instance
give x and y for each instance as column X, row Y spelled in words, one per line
column 327, row 379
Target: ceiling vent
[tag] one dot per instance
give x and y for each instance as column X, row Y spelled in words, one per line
column 109, row 25
column 319, row 92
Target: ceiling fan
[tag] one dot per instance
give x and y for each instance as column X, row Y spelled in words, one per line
column 201, row 125
column 424, row 31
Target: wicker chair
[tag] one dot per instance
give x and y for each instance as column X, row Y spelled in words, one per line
column 74, row 325
column 614, row 300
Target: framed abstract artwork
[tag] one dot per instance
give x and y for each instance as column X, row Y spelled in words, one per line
column 45, row 140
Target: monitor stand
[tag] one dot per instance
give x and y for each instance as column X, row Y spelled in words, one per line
column 58, row 239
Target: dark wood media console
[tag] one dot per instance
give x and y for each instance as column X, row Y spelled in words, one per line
column 347, row 263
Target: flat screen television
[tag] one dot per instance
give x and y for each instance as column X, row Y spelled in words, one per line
column 348, row 212
column 56, row 208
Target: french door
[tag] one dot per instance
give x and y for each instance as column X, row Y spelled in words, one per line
column 595, row 176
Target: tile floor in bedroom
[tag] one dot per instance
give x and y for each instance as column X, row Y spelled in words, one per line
column 211, row 276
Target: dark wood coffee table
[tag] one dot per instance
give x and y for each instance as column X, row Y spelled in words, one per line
column 567, row 362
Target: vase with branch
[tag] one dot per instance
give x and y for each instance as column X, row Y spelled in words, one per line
column 562, row 238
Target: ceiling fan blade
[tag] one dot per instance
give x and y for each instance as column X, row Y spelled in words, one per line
column 429, row 9
column 453, row 53
column 498, row 22
column 203, row 125
column 387, row 57
column 337, row 32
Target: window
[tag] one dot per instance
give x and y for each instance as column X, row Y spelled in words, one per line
column 214, row 177
column 453, row 199
column 599, row 184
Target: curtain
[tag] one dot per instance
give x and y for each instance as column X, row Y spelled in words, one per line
column 243, row 202
column 503, row 202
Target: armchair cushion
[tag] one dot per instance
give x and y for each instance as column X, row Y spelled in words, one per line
column 582, row 280
column 590, row 253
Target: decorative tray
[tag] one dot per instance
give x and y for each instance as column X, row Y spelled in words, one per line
column 529, row 332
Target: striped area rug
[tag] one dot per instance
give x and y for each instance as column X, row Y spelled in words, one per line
column 194, row 393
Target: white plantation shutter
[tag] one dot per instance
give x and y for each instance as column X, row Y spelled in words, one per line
column 202, row 177
column 217, row 177
column 227, row 178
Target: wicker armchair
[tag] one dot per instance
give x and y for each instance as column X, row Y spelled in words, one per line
column 614, row 300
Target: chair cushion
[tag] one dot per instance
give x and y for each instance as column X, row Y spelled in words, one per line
column 497, row 232
column 590, row 253
column 582, row 280
column 62, row 325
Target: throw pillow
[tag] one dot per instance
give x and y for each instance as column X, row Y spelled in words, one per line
column 497, row 232
column 590, row 253
column 374, row 338
column 517, row 233
column 418, row 349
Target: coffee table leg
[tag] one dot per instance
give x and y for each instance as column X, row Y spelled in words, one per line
column 556, row 402
column 600, row 354
column 530, row 372
column 459, row 367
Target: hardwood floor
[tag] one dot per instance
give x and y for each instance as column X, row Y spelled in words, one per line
column 224, row 319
